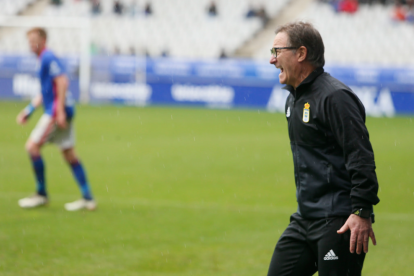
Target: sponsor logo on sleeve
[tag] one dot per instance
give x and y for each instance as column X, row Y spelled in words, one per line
column 54, row 68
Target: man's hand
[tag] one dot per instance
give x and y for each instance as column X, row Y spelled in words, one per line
column 61, row 119
column 22, row 117
column 361, row 231
column 61, row 83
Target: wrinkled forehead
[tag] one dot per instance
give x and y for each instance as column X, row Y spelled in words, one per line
column 281, row 40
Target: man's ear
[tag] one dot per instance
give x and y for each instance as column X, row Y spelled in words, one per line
column 302, row 53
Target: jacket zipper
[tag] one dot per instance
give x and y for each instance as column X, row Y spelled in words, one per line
column 295, row 161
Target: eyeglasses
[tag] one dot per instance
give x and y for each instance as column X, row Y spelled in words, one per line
column 273, row 51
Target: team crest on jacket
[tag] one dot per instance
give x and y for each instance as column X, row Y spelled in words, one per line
column 306, row 113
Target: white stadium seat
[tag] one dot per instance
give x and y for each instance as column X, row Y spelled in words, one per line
column 367, row 37
column 182, row 27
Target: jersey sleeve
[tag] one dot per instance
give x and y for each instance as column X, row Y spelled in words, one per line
column 54, row 66
column 346, row 117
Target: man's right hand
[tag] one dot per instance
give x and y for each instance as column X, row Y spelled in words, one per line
column 22, row 117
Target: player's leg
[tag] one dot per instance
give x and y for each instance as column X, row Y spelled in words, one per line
column 292, row 255
column 65, row 139
column 38, row 165
column 38, row 137
column 78, row 172
column 334, row 257
column 86, row 202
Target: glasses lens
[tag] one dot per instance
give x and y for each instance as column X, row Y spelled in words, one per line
column 273, row 52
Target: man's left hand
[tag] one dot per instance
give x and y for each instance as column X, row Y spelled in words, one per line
column 361, row 231
column 61, row 120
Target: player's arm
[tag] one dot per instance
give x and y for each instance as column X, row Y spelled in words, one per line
column 25, row 114
column 62, row 84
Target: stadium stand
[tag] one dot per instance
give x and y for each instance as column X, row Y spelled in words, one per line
column 368, row 36
column 184, row 28
column 13, row 7
column 181, row 28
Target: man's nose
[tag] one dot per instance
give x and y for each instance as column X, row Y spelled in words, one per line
column 273, row 59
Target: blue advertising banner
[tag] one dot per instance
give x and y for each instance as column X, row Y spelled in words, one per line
column 216, row 83
column 18, row 77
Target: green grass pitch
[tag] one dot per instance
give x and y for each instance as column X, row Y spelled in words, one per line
column 181, row 192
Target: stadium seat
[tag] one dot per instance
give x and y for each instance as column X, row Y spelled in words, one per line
column 14, row 7
column 367, row 37
column 182, row 27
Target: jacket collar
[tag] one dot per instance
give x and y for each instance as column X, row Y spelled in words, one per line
column 312, row 76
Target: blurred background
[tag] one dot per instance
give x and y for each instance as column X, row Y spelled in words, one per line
column 180, row 125
column 208, row 52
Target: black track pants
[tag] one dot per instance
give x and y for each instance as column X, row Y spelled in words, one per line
column 308, row 246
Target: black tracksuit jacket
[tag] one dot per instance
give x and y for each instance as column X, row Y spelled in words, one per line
column 332, row 155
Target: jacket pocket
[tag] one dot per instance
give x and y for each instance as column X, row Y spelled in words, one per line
column 314, row 179
column 328, row 172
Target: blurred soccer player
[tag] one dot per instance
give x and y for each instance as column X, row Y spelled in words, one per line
column 55, row 125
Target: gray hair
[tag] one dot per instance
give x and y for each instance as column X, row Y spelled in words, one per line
column 304, row 34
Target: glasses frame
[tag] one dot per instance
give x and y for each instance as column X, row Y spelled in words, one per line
column 273, row 51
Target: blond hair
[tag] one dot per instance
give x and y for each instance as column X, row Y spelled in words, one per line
column 40, row 31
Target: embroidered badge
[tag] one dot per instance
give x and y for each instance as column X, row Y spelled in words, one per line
column 288, row 112
column 306, row 113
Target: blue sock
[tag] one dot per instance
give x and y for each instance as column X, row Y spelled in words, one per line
column 80, row 176
column 39, row 169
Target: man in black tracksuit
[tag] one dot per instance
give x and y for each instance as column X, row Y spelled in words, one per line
column 336, row 184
